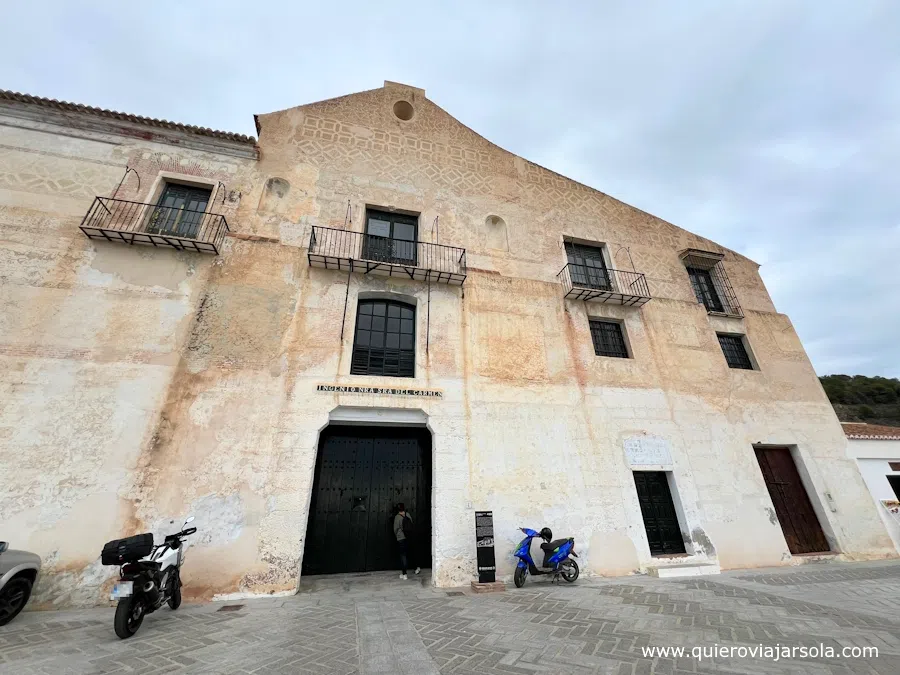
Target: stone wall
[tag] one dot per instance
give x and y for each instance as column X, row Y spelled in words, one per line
column 142, row 385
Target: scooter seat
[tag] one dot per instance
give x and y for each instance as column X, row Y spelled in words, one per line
column 551, row 546
column 548, row 549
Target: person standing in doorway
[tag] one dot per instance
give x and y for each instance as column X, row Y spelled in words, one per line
column 403, row 531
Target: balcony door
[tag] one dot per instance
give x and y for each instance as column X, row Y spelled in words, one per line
column 587, row 267
column 390, row 238
column 179, row 211
column 705, row 289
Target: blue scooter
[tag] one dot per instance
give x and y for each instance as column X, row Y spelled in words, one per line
column 556, row 557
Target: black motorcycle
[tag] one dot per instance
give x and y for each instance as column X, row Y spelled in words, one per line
column 149, row 576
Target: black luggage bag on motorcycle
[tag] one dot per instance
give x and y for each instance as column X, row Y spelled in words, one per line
column 130, row 549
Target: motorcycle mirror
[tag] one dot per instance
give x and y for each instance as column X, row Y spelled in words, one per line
column 189, row 519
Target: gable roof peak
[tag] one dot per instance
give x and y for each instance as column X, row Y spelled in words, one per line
column 403, row 87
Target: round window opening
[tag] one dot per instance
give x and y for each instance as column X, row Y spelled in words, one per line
column 403, row 110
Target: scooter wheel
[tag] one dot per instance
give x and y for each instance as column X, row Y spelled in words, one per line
column 129, row 617
column 519, row 577
column 569, row 570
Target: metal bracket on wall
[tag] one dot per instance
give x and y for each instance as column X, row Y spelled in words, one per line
column 630, row 259
column 219, row 186
column 346, row 300
column 348, row 220
column 124, row 176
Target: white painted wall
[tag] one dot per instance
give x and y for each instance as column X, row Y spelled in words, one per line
column 873, row 457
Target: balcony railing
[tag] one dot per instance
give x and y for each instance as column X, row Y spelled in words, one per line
column 153, row 225
column 370, row 254
column 581, row 282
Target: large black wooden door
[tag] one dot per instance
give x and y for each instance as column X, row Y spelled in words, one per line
column 658, row 510
column 361, row 473
column 795, row 512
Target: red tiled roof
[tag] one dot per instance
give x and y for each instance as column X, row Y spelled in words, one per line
column 871, row 431
column 126, row 117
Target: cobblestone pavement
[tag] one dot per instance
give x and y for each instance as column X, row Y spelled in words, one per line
column 378, row 624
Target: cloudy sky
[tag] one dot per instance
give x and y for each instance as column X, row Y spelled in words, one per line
column 770, row 126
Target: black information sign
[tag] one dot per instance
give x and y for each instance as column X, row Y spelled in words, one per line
column 484, row 546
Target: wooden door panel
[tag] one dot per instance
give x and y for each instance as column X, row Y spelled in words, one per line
column 183, row 212
column 801, row 527
column 658, row 511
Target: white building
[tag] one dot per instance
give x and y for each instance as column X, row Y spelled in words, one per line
column 876, row 450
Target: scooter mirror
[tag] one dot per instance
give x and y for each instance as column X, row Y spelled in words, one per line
column 190, row 519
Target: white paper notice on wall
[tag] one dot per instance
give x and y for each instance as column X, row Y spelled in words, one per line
column 647, row 451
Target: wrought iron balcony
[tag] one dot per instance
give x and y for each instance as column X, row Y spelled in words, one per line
column 153, row 225
column 370, row 254
column 582, row 282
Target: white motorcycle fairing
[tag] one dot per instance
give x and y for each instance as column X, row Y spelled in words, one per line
column 166, row 557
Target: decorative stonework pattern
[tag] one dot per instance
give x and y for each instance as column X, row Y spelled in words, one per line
column 40, row 174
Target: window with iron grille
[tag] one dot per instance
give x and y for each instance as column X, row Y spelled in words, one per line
column 385, row 338
column 709, row 281
column 735, row 352
column 587, row 266
column 608, row 339
column 705, row 289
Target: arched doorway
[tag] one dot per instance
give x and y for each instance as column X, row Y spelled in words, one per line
column 361, row 473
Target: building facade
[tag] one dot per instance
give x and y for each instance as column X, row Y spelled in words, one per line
column 876, row 449
column 374, row 304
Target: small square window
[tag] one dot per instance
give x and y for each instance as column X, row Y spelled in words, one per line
column 735, row 352
column 609, row 340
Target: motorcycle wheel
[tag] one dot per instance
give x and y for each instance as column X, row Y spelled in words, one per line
column 175, row 599
column 519, row 577
column 569, row 570
column 129, row 617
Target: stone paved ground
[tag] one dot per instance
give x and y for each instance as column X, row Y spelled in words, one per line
column 378, row 624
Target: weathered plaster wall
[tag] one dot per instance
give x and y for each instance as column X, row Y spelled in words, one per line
column 543, row 419
column 90, row 337
column 144, row 385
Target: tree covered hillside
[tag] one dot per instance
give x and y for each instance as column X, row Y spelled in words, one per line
column 858, row 398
